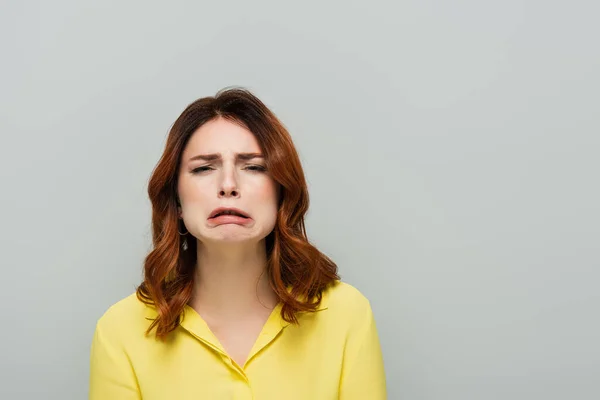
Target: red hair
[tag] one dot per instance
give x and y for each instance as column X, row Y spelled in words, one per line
column 298, row 272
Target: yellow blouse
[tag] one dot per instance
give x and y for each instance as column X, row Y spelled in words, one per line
column 334, row 353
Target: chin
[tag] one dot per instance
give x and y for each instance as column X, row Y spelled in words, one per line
column 231, row 237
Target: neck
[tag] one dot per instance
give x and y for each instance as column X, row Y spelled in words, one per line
column 231, row 279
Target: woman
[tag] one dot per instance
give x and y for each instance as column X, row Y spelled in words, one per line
column 235, row 303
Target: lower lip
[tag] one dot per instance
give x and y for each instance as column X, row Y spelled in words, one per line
column 230, row 219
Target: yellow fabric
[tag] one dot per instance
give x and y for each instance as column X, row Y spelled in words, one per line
column 333, row 354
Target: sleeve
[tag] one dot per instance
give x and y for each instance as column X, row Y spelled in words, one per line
column 363, row 373
column 111, row 373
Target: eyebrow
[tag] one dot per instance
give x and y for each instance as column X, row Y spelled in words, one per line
column 217, row 156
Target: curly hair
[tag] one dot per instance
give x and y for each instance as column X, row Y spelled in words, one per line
column 298, row 272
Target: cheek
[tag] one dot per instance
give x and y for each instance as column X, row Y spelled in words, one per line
column 192, row 193
column 268, row 194
column 271, row 202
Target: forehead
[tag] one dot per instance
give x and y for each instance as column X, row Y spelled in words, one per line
column 221, row 136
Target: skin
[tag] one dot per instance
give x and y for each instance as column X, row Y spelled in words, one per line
column 232, row 293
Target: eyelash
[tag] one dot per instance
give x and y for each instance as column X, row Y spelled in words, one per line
column 254, row 168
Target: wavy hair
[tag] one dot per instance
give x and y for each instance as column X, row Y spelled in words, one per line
column 298, row 272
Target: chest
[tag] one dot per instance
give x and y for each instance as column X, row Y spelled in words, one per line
column 285, row 369
column 298, row 362
column 238, row 337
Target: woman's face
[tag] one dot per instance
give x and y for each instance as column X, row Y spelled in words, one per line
column 212, row 175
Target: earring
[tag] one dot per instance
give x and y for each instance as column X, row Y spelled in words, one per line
column 184, row 244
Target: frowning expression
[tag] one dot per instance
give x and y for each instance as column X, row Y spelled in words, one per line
column 223, row 166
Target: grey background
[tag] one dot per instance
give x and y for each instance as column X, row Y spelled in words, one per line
column 451, row 150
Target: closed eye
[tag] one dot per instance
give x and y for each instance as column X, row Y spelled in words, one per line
column 201, row 169
column 257, row 168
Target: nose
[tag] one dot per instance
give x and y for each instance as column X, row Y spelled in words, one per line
column 229, row 185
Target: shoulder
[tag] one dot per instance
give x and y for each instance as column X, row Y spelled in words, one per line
column 345, row 302
column 340, row 293
column 127, row 315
